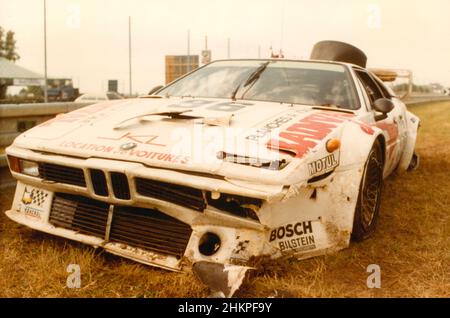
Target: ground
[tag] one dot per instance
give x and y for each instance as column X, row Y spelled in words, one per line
column 411, row 246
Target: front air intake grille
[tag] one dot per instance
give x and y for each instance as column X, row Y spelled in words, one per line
column 178, row 194
column 120, row 185
column 99, row 184
column 149, row 230
column 244, row 207
column 62, row 174
column 79, row 214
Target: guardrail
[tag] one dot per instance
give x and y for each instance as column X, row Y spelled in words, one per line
column 421, row 99
column 16, row 118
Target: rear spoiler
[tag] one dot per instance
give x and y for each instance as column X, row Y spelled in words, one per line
column 390, row 75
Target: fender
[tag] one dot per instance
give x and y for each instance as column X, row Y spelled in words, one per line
column 357, row 139
column 412, row 126
column 330, row 203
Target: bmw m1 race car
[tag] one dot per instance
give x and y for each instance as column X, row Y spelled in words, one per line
column 237, row 160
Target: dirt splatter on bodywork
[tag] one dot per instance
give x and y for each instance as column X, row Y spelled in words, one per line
column 119, row 184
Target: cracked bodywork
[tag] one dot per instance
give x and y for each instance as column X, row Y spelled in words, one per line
column 170, row 210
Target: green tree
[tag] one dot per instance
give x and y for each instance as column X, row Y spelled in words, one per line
column 10, row 47
column 8, row 51
column 2, row 42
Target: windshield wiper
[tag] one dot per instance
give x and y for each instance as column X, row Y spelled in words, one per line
column 254, row 76
column 333, row 107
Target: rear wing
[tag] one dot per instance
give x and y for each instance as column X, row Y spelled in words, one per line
column 390, row 75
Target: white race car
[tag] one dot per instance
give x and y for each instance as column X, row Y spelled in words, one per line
column 237, row 160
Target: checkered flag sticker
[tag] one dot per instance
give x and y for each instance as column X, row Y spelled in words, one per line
column 242, row 245
column 38, row 197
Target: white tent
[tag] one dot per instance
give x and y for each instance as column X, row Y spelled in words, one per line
column 17, row 75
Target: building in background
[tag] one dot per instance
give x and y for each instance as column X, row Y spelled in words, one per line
column 178, row 65
column 31, row 84
column 113, row 86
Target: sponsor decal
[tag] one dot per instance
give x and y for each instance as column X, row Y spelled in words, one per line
column 35, row 196
column 241, row 247
column 392, row 131
column 26, row 197
column 140, row 139
column 33, row 200
column 295, row 236
column 323, row 165
column 34, row 213
column 220, row 106
column 143, row 154
column 305, row 134
column 366, row 128
column 270, row 126
column 240, row 251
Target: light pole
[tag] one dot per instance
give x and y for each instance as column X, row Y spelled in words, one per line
column 189, row 51
column 45, row 53
column 129, row 53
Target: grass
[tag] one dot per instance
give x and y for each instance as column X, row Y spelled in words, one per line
column 411, row 246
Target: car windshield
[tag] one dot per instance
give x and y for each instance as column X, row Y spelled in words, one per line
column 294, row 82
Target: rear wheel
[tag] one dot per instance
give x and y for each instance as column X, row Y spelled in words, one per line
column 368, row 205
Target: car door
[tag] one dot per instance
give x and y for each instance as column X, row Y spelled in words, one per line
column 400, row 110
column 391, row 125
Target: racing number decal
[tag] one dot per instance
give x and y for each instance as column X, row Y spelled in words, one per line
column 222, row 106
column 194, row 103
column 226, row 107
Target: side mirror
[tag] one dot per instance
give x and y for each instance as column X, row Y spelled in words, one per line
column 384, row 106
column 155, row 89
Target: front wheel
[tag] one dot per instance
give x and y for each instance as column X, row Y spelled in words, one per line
column 368, row 206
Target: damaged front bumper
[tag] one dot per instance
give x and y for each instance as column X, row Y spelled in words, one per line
column 161, row 217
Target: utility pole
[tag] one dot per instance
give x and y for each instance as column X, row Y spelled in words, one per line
column 228, row 48
column 129, row 54
column 45, row 53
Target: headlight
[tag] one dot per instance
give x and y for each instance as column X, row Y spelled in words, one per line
column 14, row 163
column 30, row 168
column 27, row 167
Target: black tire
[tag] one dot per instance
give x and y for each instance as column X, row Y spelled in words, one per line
column 368, row 206
column 414, row 164
column 338, row 51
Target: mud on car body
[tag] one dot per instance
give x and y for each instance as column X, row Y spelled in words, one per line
column 236, row 160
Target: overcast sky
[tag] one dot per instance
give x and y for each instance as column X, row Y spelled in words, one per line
column 87, row 40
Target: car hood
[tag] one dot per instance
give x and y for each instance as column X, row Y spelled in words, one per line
column 235, row 139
